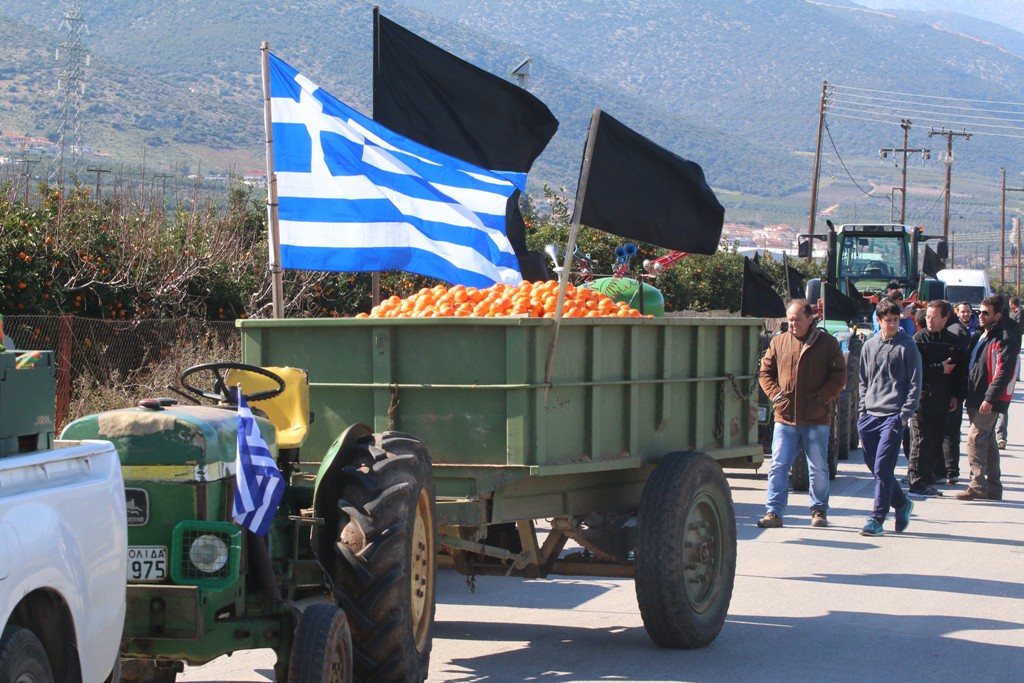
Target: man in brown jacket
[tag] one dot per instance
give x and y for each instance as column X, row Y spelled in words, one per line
column 803, row 373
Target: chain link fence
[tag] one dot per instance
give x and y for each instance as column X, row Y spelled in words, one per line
column 107, row 364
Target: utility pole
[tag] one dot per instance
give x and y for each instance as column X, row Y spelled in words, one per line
column 97, row 171
column 885, row 151
column 949, row 135
column 817, row 165
column 1002, row 225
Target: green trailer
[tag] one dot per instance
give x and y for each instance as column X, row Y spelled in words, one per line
column 611, row 465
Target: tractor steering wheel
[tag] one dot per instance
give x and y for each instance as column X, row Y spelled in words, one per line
column 880, row 265
column 228, row 394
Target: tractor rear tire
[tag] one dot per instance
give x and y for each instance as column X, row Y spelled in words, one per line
column 386, row 547
column 844, row 424
column 686, row 551
column 322, row 651
column 22, row 657
column 833, row 443
column 799, row 476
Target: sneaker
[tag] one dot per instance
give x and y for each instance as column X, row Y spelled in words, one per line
column 923, row 490
column 770, row 521
column 1001, row 443
column 994, row 496
column 970, row 494
column 952, row 480
column 872, row 528
column 818, row 518
column 903, row 516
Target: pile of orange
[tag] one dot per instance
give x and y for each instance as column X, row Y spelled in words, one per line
column 529, row 299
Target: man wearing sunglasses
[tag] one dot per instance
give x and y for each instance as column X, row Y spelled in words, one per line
column 990, row 384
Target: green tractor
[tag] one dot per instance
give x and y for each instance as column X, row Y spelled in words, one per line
column 341, row 586
column 862, row 260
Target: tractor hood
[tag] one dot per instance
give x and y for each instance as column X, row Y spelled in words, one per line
column 196, row 443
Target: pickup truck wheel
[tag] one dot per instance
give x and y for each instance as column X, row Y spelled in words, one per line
column 323, row 647
column 686, row 551
column 22, row 657
column 387, row 555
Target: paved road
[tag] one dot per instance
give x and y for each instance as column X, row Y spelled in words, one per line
column 943, row 601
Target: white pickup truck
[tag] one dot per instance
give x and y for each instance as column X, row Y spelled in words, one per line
column 63, row 544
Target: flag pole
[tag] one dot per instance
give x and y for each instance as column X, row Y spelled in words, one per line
column 785, row 270
column 276, row 279
column 574, row 229
column 375, row 275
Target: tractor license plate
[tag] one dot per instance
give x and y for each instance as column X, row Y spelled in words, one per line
column 147, row 562
column 762, row 413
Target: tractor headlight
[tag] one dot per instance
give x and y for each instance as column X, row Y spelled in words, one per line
column 208, row 553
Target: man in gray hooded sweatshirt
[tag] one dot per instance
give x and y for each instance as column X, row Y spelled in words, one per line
column 890, row 390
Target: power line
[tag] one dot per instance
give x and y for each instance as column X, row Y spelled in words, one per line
column 843, row 164
column 933, row 97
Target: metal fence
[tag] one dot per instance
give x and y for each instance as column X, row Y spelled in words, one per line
column 106, row 364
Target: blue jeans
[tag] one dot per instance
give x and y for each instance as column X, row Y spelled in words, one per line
column 786, row 442
column 882, row 438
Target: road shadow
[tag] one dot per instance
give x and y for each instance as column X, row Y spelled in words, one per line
column 500, row 591
column 873, row 647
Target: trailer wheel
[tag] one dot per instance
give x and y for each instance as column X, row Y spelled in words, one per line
column 686, row 551
column 387, row 555
column 22, row 657
column 323, row 647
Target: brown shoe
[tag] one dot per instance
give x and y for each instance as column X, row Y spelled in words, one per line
column 770, row 521
column 970, row 494
column 818, row 518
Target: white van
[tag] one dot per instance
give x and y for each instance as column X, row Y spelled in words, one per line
column 965, row 285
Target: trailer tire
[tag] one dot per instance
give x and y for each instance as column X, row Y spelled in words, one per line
column 686, row 551
column 855, row 345
column 22, row 657
column 322, row 651
column 386, row 550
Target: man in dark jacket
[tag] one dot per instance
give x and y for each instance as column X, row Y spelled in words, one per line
column 950, row 468
column 990, row 382
column 803, row 373
column 943, row 387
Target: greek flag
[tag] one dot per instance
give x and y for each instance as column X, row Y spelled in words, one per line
column 355, row 196
column 258, row 482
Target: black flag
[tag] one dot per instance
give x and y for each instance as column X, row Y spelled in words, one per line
column 794, row 281
column 638, row 190
column 838, row 306
column 932, row 263
column 431, row 96
column 856, row 296
column 759, row 298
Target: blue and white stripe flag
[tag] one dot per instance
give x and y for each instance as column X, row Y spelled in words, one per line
column 258, row 481
column 355, row 196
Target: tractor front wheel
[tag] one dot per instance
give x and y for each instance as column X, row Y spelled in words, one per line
column 686, row 551
column 386, row 548
column 323, row 647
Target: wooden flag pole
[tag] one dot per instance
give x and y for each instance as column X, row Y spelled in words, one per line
column 273, row 217
column 574, row 229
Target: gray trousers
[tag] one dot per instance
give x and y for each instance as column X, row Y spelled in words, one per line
column 983, row 454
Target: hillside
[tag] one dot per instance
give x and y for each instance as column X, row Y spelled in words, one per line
column 731, row 84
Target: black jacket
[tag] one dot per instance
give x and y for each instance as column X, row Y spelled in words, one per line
column 993, row 375
column 937, row 387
